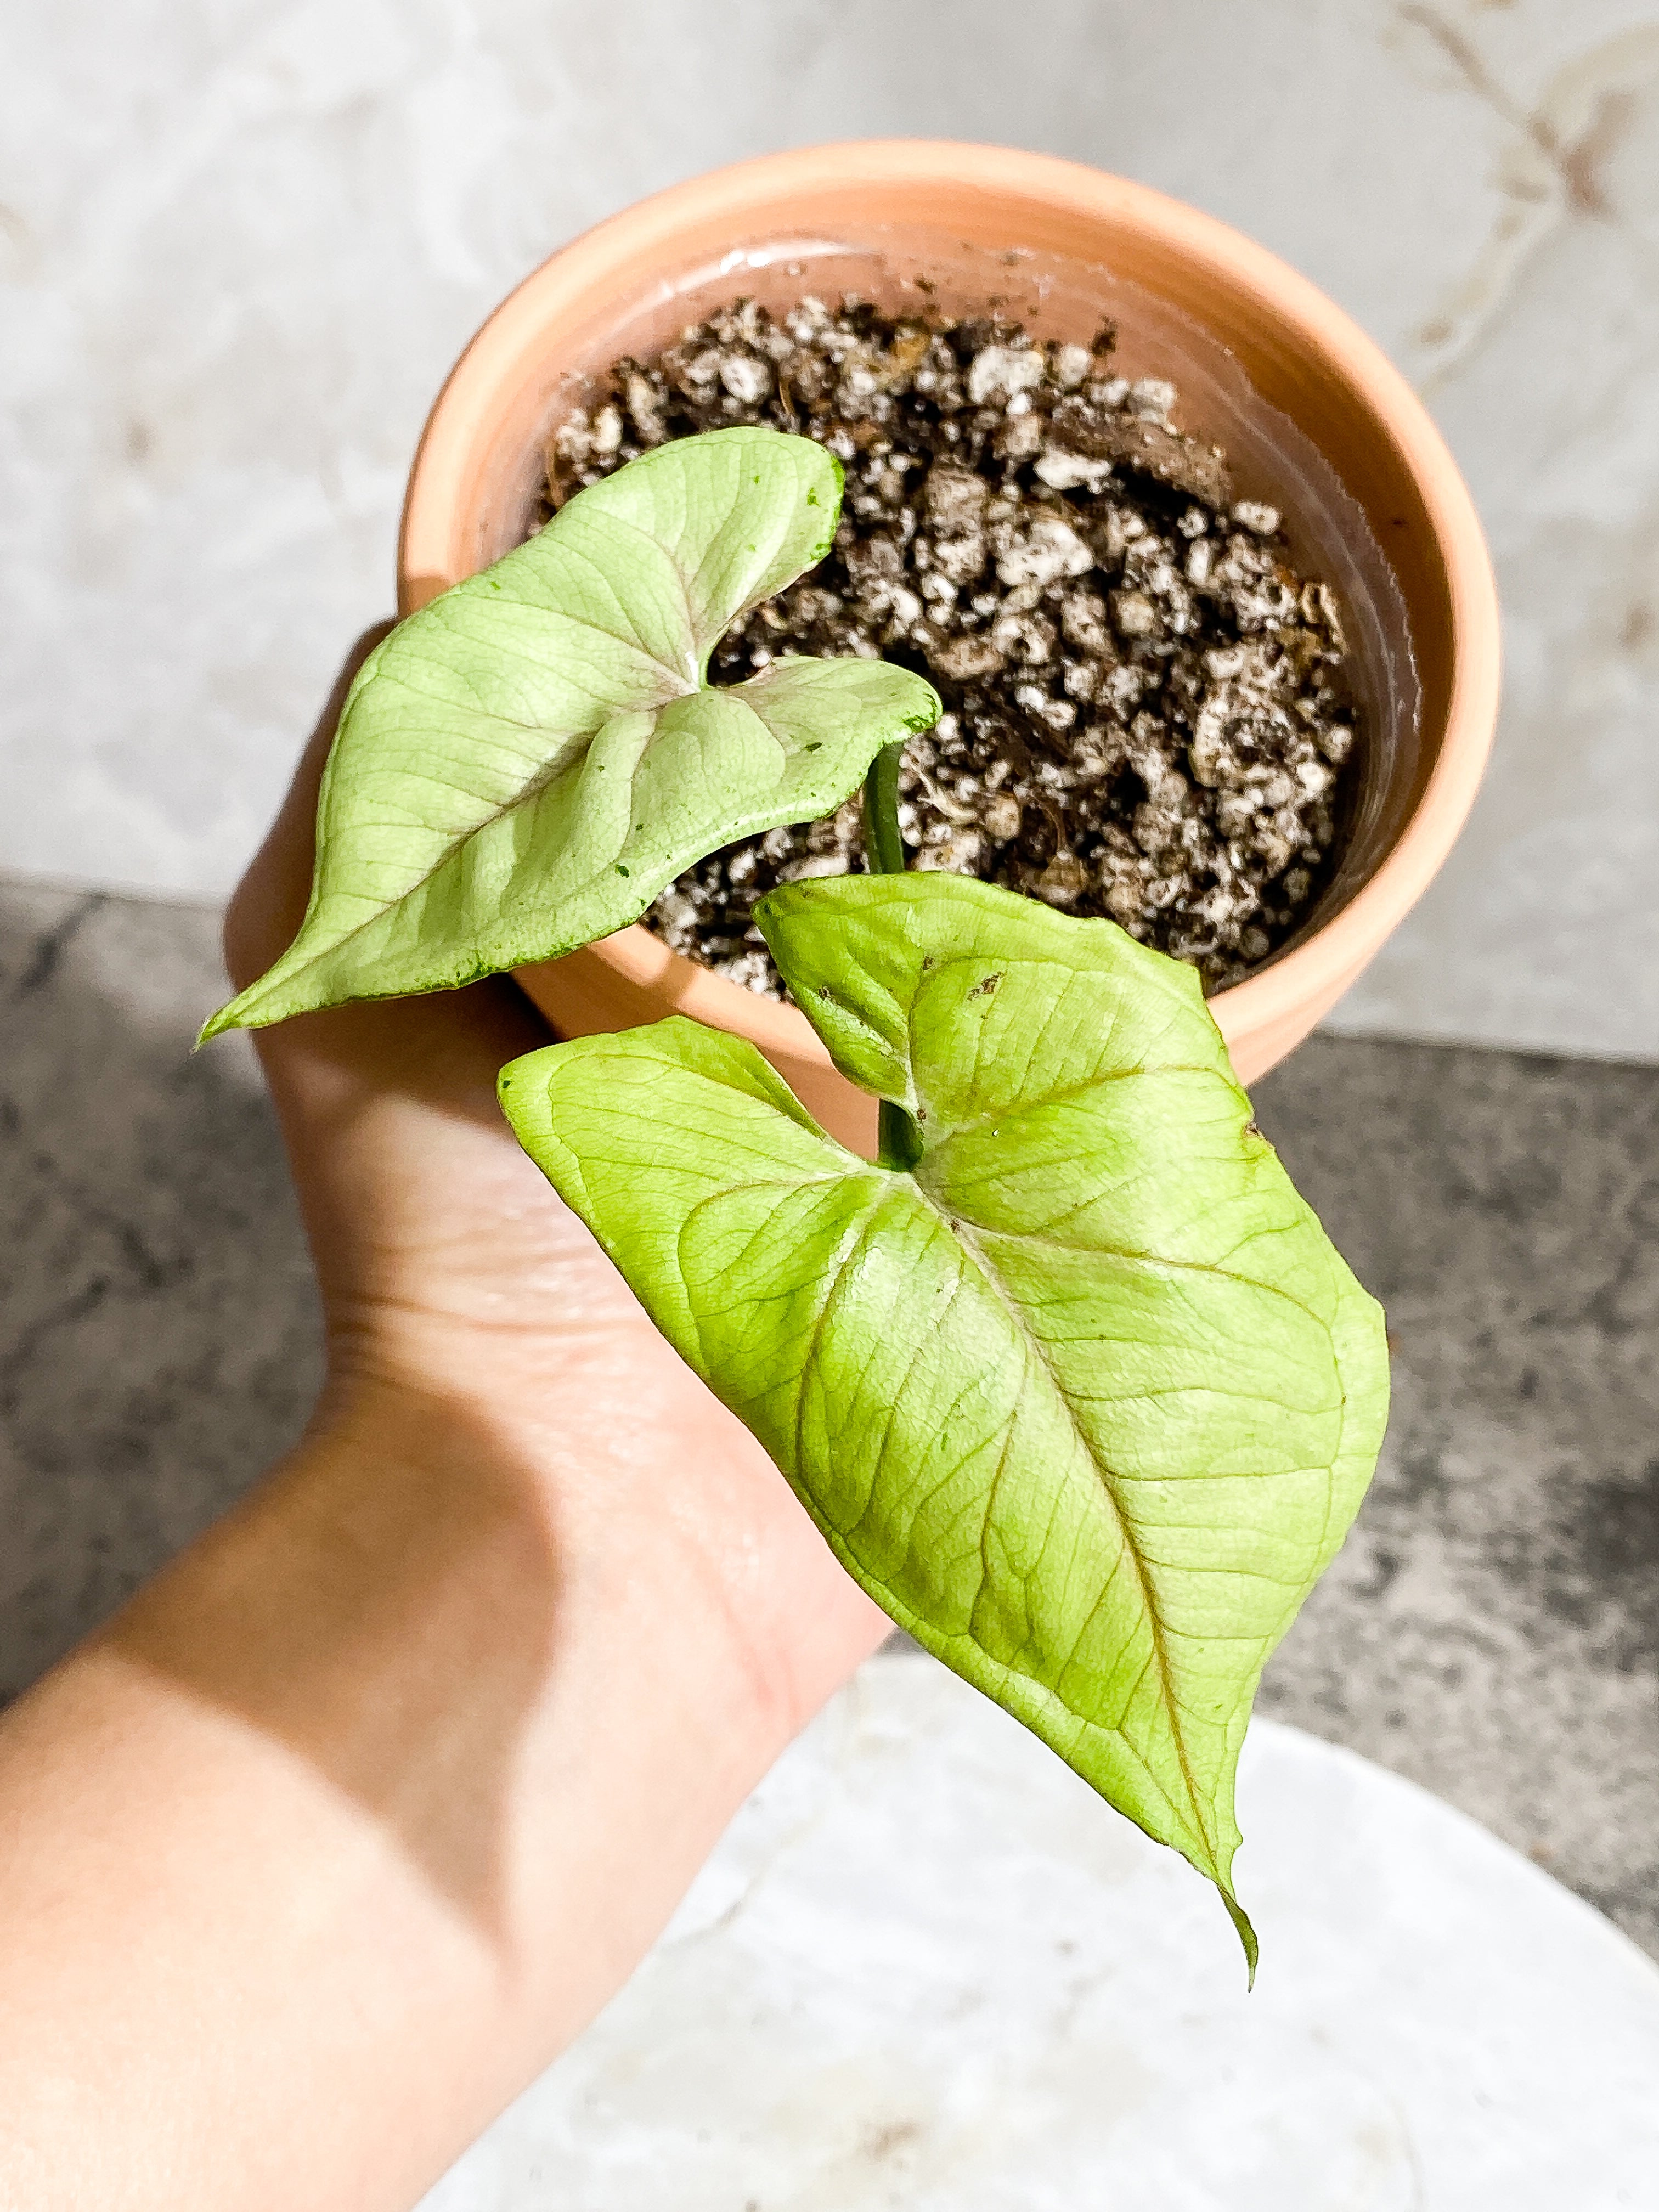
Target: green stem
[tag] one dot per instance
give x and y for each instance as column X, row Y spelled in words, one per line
column 885, row 856
column 883, row 843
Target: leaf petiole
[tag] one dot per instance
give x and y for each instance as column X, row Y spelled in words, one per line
column 885, row 856
column 883, row 840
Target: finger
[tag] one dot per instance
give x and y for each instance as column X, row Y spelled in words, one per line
column 268, row 905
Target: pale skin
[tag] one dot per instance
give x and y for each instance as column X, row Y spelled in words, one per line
column 351, row 1821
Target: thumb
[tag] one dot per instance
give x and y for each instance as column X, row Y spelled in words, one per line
column 268, row 905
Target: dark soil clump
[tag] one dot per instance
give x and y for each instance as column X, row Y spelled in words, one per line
column 1145, row 711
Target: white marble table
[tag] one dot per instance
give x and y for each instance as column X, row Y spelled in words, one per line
column 927, row 1969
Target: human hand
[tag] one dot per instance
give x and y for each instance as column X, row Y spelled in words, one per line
column 449, row 1270
column 340, row 1831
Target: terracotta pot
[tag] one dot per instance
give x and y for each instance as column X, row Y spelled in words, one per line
column 1312, row 417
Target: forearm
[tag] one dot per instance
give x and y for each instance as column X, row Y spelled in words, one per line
column 352, row 1820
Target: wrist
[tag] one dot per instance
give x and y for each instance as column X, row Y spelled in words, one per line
column 409, row 1760
column 667, row 1520
column 490, row 1523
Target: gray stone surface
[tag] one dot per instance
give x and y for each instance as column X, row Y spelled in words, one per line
column 1491, row 1629
column 240, row 245
column 158, row 1328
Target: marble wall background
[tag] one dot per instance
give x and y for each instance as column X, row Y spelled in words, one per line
column 241, row 241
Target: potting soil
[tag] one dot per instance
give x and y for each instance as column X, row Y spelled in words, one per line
column 1145, row 715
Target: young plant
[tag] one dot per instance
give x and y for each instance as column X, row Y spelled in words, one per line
column 1070, row 1378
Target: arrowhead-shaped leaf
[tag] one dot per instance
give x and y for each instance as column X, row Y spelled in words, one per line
column 1086, row 1398
column 523, row 765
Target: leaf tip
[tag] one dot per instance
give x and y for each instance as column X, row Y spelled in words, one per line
column 1245, row 1932
column 926, row 715
column 217, row 1024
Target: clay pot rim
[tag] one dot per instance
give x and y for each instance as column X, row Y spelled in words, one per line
column 1327, row 962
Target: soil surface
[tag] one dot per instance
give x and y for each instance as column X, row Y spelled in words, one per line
column 1145, row 715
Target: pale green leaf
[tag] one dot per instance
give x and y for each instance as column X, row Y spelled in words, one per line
column 1085, row 1400
column 523, row 765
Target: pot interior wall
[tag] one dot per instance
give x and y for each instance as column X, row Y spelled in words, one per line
column 1293, row 427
